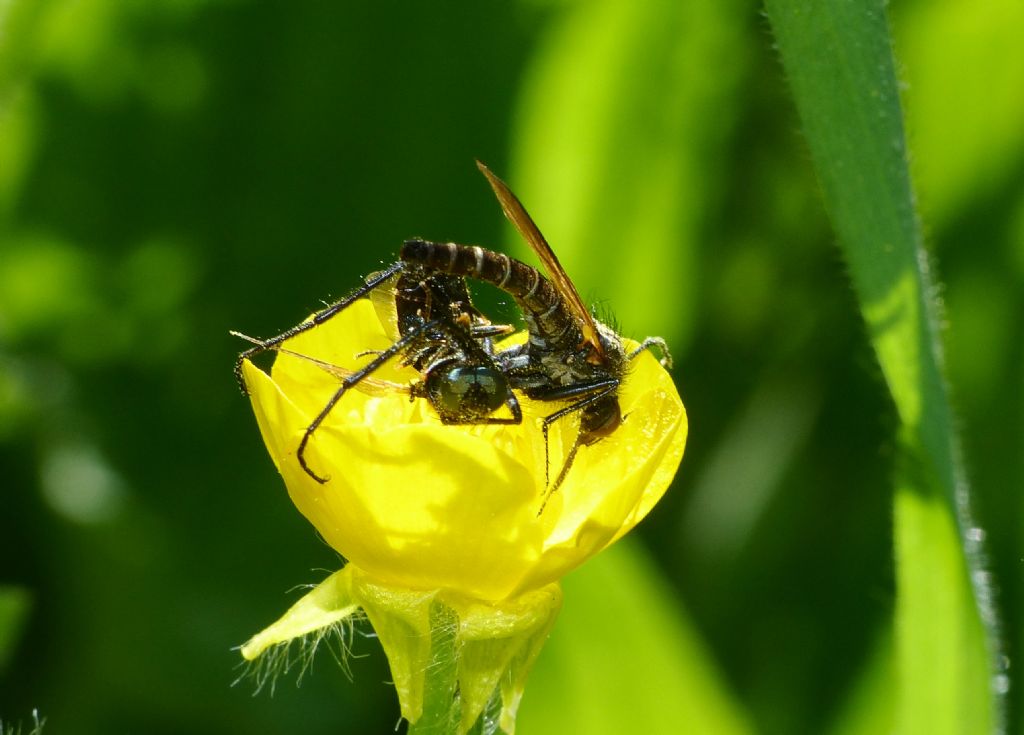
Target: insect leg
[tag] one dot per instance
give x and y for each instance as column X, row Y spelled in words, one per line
column 561, row 392
column 483, row 331
column 319, row 318
column 351, row 381
column 561, row 475
column 596, row 390
column 666, row 356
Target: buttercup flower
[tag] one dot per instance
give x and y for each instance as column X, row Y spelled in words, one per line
column 429, row 514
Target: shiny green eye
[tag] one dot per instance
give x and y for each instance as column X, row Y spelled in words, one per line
column 468, row 391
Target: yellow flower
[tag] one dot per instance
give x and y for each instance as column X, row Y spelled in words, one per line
column 426, row 512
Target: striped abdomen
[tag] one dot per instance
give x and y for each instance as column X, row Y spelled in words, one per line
column 550, row 325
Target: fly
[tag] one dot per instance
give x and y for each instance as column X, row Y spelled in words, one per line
column 438, row 332
column 569, row 355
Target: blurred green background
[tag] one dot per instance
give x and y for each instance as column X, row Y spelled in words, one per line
column 171, row 170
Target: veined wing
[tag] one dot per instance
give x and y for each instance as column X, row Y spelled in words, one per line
column 520, row 218
column 383, row 300
column 366, row 384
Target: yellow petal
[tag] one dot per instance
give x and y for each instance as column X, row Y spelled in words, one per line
column 424, row 506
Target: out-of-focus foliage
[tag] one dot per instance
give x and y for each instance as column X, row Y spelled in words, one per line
column 14, row 609
column 948, row 636
column 628, row 659
column 172, row 170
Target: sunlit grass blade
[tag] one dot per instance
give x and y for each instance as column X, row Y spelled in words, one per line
column 839, row 62
column 624, row 658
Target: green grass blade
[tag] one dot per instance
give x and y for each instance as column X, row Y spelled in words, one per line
column 839, row 62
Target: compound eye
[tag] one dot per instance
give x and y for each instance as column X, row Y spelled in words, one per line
column 468, row 391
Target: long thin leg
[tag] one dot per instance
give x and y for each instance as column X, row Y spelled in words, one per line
column 482, row 331
column 329, row 367
column 603, row 388
column 561, row 475
column 317, row 319
column 666, row 356
column 562, row 392
column 350, row 382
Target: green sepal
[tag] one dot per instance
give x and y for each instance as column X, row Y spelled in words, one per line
column 329, row 603
column 460, row 654
column 402, row 622
column 499, row 647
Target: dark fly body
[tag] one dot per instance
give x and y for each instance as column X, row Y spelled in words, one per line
column 440, row 334
column 569, row 356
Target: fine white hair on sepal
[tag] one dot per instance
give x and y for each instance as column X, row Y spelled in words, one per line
column 297, row 654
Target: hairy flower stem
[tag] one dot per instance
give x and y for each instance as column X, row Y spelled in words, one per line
column 442, row 707
column 442, row 703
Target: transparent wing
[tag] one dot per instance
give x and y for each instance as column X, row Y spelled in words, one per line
column 520, row 218
column 366, row 384
column 383, row 300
